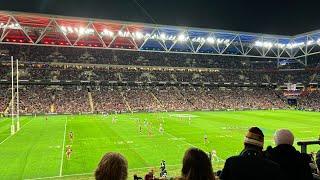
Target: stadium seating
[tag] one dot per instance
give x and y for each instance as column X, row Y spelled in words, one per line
column 65, row 80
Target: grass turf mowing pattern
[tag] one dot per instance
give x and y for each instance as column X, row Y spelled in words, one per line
column 36, row 150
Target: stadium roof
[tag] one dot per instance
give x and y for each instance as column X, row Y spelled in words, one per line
column 52, row 30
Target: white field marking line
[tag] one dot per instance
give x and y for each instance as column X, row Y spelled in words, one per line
column 14, row 133
column 82, row 174
column 63, row 144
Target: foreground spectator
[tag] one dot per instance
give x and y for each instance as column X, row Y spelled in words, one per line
column 196, row 165
column 113, row 166
column 136, row 177
column 292, row 164
column 251, row 164
column 318, row 161
column 150, row 175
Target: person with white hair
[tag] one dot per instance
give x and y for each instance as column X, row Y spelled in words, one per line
column 292, row 164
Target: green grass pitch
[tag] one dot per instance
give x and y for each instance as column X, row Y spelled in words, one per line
column 38, row 149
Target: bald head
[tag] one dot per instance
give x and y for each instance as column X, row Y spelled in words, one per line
column 283, row 136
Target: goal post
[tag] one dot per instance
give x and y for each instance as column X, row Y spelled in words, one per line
column 15, row 126
column 17, row 95
column 12, row 98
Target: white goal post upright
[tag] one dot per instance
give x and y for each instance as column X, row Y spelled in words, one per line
column 17, row 113
column 12, row 98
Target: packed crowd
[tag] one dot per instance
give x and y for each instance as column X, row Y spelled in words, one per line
column 80, row 99
column 310, row 100
column 77, row 99
column 116, row 57
column 235, row 98
column 141, row 100
column 51, row 99
column 4, row 97
column 99, row 56
column 282, row 162
column 108, row 99
column 69, row 72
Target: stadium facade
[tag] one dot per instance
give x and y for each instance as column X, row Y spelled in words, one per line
column 52, row 30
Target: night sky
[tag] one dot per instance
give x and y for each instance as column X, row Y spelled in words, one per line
column 284, row 17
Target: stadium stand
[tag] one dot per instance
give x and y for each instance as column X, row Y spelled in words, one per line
column 4, row 98
column 144, row 81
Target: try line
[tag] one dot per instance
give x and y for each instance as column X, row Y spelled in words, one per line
column 14, row 133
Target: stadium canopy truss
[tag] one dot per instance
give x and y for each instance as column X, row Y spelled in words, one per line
column 51, row 30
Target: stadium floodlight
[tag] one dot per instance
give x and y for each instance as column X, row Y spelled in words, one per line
column 10, row 26
column 138, row 35
column 226, row 41
column 182, row 37
column 258, row 43
column 107, row 32
column 220, row 41
column 310, row 42
column 81, row 31
column 147, row 35
column 155, row 36
column 265, row 44
column 172, row 37
column 89, row 31
column 163, row 36
column 70, row 29
column 295, row 45
column 63, row 29
column 280, row 45
column 198, row 39
column 210, row 40
column 123, row 34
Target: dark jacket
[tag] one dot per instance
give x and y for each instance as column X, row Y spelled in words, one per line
column 250, row 165
column 292, row 164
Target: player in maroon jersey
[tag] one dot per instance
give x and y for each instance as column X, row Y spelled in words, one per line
column 68, row 152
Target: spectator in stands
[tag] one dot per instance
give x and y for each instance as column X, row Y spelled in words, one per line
column 290, row 160
column 196, row 165
column 150, row 175
column 113, row 166
column 251, row 164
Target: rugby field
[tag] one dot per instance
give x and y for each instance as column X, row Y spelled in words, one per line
column 37, row 151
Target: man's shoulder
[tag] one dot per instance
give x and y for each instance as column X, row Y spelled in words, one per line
column 233, row 158
column 260, row 160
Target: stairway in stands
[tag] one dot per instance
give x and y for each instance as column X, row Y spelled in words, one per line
column 126, row 102
column 157, row 100
column 90, row 101
column 185, row 98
